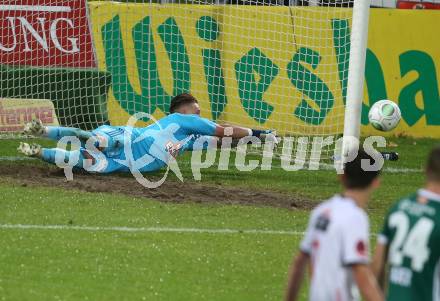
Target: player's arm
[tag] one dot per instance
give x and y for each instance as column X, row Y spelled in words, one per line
column 296, row 275
column 366, row 282
column 202, row 126
column 355, row 238
column 379, row 260
column 234, row 131
column 238, row 132
column 300, row 263
column 381, row 253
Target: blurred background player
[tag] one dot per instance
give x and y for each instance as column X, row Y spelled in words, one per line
column 336, row 242
column 410, row 242
column 166, row 138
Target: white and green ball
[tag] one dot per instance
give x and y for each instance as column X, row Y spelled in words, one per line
column 384, row 115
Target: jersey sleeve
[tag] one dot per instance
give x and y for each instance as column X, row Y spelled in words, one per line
column 197, row 125
column 306, row 243
column 355, row 240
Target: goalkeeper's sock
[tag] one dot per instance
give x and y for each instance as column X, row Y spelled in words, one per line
column 48, row 154
column 58, row 132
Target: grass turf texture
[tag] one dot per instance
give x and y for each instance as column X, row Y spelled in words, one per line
column 67, row 264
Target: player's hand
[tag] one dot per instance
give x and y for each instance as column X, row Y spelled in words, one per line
column 271, row 136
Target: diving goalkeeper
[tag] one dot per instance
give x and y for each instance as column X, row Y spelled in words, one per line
column 168, row 137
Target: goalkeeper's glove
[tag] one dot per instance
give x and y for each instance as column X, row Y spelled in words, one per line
column 266, row 135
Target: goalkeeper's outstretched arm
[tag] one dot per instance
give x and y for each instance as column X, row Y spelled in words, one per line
column 195, row 124
column 189, row 118
column 237, row 132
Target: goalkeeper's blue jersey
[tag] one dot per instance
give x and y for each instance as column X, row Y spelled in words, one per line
column 151, row 147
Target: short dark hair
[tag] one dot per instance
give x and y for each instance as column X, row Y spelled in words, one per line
column 180, row 100
column 433, row 165
column 355, row 177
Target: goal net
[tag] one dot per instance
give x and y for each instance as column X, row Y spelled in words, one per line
column 278, row 64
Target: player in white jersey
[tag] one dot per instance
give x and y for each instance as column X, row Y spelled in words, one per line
column 336, row 243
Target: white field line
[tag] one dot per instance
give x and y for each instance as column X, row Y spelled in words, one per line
column 323, row 166
column 148, row 229
column 326, row 166
column 36, row 8
column 16, row 158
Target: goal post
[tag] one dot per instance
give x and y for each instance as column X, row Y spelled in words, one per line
column 356, row 71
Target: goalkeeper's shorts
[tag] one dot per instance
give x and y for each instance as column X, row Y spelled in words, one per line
column 110, row 139
column 101, row 163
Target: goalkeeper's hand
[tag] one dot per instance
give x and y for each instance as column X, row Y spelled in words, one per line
column 270, row 136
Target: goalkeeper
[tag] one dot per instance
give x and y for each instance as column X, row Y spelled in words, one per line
column 168, row 137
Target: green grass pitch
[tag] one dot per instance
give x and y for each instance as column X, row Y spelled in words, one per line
column 116, row 247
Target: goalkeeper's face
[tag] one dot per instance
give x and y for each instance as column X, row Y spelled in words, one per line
column 190, row 108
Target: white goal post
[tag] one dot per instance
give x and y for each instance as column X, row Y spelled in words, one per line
column 356, row 71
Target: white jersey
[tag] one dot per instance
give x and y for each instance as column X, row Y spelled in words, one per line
column 337, row 237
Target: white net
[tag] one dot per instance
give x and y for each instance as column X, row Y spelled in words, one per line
column 46, row 53
column 275, row 64
column 261, row 65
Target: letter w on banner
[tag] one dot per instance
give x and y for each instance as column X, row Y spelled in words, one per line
column 45, row 33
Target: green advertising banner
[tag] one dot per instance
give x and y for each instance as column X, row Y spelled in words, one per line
column 245, row 68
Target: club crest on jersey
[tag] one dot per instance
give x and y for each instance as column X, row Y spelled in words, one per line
column 173, row 149
column 323, row 221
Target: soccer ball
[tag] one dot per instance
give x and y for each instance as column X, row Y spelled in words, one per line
column 384, row 115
